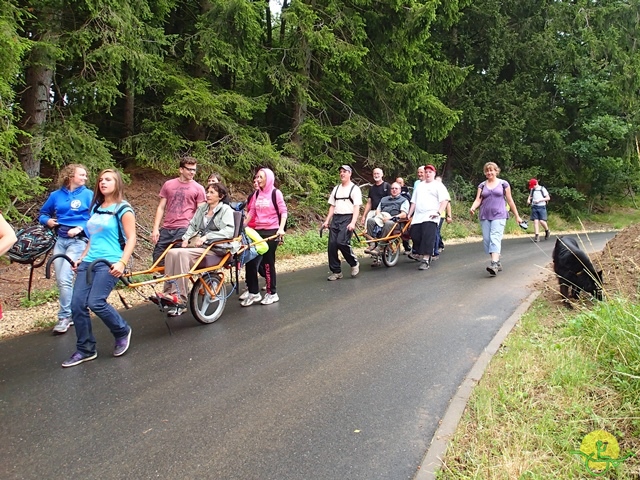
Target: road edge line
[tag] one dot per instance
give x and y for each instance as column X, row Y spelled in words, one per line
column 432, row 461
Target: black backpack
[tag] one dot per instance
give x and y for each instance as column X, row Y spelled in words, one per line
column 33, row 242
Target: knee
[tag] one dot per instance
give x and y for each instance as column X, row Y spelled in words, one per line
column 97, row 305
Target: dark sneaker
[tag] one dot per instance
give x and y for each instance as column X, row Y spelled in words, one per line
column 122, row 344
column 62, row 326
column 499, row 265
column 78, row 358
column 414, row 256
column 493, row 269
column 536, row 238
column 424, row 265
column 546, row 234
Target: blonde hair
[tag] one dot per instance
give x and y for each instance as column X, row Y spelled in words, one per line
column 67, row 173
column 491, row 164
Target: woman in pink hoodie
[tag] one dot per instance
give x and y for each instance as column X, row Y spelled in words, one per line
column 269, row 213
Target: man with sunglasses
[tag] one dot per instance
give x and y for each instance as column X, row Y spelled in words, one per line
column 179, row 199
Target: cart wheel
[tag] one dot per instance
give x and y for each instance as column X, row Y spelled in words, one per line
column 391, row 253
column 204, row 308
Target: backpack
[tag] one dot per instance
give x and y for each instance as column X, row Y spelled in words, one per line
column 542, row 190
column 32, row 242
column 335, row 190
column 275, row 205
column 116, row 212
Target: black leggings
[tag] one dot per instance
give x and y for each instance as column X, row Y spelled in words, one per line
column 268, row 262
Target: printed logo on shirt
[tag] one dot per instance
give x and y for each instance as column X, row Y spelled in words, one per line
column 75, row 204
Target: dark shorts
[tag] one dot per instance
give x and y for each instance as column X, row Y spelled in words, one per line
column 539, row 213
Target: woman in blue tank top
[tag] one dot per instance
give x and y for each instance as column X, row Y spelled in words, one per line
column 111, row 218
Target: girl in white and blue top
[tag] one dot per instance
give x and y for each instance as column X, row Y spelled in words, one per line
column 111, row 218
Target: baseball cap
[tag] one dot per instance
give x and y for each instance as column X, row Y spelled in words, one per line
column 345, row 167
column 430, row 167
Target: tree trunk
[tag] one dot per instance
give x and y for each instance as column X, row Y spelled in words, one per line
column 35, row 105
column 301, row 104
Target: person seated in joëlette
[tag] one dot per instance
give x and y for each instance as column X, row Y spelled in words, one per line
column 213, row 221
column 392, row 208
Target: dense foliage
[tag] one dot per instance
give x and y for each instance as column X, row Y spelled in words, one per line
column 544, row 88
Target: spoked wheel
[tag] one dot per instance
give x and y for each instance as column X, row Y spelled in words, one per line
column 391, row 253
column 204, row 307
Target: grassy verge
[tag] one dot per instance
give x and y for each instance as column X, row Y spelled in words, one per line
column 559, row 376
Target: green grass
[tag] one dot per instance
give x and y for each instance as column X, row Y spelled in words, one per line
column 304, row 243
column 39, row 297
column 618, row 217
column 559, row 376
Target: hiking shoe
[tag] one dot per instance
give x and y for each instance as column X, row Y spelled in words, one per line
column 176, row 311
column 270, row 298
column 122, row 344
column 536, row 238
column 171, row 300
column 251, row 299
column 355, row 270
column 493, row 269
column 424, row 265
column 244, row 294
column 376, row 262
column 414, row 256
column 78, row 358
column 62, row 326
column 546, row 234
column 334, row 276
column 499, row 265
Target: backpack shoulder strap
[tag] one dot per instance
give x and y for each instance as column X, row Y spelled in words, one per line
column 275, row 202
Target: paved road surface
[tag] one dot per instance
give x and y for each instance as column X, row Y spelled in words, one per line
column 340, row 380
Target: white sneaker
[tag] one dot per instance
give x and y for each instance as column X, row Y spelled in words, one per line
column 269, row 299
column 176, row 311
column 251, row 299
column 355, row 270
column 244, row 294
column 62, row 326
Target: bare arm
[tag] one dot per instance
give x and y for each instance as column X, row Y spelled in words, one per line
column 367, row 209
column 327, row 220
column 511, row 203
column 155, row 233
column 356, row 214
column 129, row 227
column 476, row 203
column 7, row 236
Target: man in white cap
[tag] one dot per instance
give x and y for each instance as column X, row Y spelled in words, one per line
column 429, row 200
column 344, row 209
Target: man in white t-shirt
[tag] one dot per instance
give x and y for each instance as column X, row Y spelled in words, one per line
column 344, row 209
column 428, row 201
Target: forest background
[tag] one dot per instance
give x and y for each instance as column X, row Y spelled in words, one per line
column 547, row 89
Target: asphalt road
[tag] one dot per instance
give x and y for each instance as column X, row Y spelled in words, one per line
column 339, row 380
